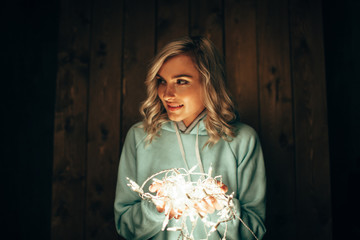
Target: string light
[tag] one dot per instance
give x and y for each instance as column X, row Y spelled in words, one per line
column 180, row 197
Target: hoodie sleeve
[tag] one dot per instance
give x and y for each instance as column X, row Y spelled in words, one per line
column 134, row 218
column 251, row 182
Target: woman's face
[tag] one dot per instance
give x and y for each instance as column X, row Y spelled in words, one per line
column 180, row 89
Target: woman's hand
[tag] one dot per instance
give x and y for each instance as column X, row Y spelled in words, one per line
column 205, row 206
column 163, row 202
column 209, row 203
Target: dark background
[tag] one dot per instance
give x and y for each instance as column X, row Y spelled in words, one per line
column 29, row 63
column 342, row 52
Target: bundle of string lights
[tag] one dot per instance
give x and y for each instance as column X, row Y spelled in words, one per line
column 180, row 197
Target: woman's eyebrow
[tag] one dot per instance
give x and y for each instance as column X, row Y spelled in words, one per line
column 176, row 76
column 183, row 75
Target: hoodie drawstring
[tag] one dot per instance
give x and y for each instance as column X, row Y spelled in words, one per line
column 196, row 148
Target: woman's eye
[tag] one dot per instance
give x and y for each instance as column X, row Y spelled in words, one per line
column 182, row 82
column 161, row 81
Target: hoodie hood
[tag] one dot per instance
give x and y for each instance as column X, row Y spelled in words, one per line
column 192, row 129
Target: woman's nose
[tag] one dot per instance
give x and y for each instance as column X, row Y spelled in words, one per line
column 169, row 92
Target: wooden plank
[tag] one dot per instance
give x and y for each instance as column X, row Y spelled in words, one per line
column 207, row 19
column 71, row 121
column 241, row 58
column 312, row 153
column 172, row 20
column 104, row 118
column 276, row 120
column 138, row 51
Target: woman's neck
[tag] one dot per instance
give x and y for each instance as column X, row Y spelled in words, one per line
column 187, row 129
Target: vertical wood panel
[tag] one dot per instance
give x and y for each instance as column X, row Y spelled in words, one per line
column 172, row 20
column 207, row 19
column 258, row 37
column 241, row 58
column 71, row 121
column 276, row 116
column 104, row 118
column 139, row 44
column 312, row 153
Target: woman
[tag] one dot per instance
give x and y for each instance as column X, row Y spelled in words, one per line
column 189, row 119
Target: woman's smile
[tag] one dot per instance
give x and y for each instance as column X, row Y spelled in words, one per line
column 174, row 107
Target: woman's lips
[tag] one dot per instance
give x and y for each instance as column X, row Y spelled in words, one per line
column 174, row 107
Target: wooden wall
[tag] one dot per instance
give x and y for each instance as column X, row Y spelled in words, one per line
column 275, row 65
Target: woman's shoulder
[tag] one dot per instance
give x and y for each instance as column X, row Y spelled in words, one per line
column 243, row 130
column 136, row 132
column 138, row 125
column 246, row 139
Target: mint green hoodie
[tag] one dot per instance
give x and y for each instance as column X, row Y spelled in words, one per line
column 239, row 162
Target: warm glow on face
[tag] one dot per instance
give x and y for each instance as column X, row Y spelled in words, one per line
column 180, row 89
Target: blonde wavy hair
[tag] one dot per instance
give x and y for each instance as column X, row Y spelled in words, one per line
column 218, row 103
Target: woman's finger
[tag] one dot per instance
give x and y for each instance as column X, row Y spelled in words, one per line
column 222, row 186
column 215, row 203
column 208, row 205
column 155, row 186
